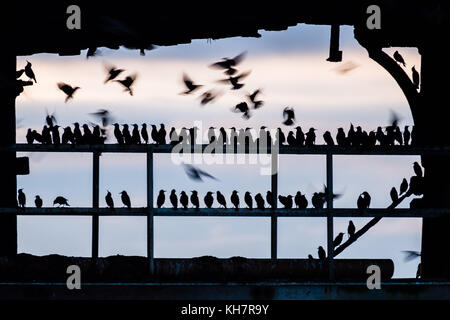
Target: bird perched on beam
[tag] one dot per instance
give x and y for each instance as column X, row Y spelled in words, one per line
column 235, row 199
column 234, row 80
column 173, row 199
column 125, row 199
column 161, row 198
column 415, row 77
column 248, row 200
column 184, row 200
column 228, row 64
column 351, row 229
column 398, row 57
column 194, row 199
column 417, row 169
column 208, row 199
column 363, row 201
column 29, row 71
column 328, row 139
column 221, row 199
column 109, row 200
column 21, row 198
column 259, row 201
column 321, row 253
column 61, row 201
column 286, row 201
column 38, row 201
column 68, row 90
column 394, row 194
column 403, row 186
column 269, row 199
column 338, row 240
column 300, row 200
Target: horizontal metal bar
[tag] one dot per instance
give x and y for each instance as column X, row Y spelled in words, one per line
column 318, row 149
column 218, row 212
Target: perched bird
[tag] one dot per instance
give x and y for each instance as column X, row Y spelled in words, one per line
column 144, row 133
column 340, row 137
column 351, row 229
column 126, row 134
column 46, row 135
column 269, row 199
column 252, row 97
column 403, row 186
column 154, row 134
column 109, row 200
column 127, row 83
column 394, row 194
column 208, row 199
column 259, row 201
column 21, row 198
column 280, row 137
column 310, row 257
column 363, row 201
column 68, row 90
column 118, row 134
column 337, row 241
column 184, row 200
column 135, row 136
column 92, row 52
column 77, row 136
column 235, row 199
column 406, row 136
column 310, row 137
column 417, row 169
column 289, row 116
column 415, row 77
column 38, row 202
column 195, row 173
column 286, row 201
column 162, row 134
column 291, row 139
column 61, row 201
column 19, row 73
column 30, row 136
column 248, row 200
column 321, row 253
column 398, row 57
column 190, row 85
column 29, row 72
column 67, row 136
column 194, row 199
column 55, row 135
column 300, row 200
column 173, row 199
column 221, row 199
column 243, row 108
column 161, row 198
column 113, row 72
column 87, row 137
column 299, row 136
column 328, row 139
column 318, row 200
column 125, row 199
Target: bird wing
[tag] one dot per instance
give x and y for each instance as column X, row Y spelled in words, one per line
column 67, row 89
column 411, row 255
column 242, row 75
column 238, row 59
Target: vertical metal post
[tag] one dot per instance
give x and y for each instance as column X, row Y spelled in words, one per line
column 150, row 236
column 273, row 219
column 330, row 232
column 95, row 202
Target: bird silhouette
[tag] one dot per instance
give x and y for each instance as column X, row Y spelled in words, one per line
column 411, row 255
column 77, row 136
column 417, row 169
column 299, row 136
column 173, row 199
column 104, row 116
column 21, row 198
column 318, row 200
column 351, row 229
column 221, row 199
column 38, row 202
column 113, row 73
column 67, row 136
column 415, row 77
column 338, row 240
column 161, row 198
column 125, row 199
column 340, row 137
column 259, row 201
column 109, row 200
column 92, row 52
column 126, row 134
column 406, row 136
column 127, row 83
column 394, row 194
column 403, row 186
column 286, row 201
column 208, row 199
column 321, row 253
column 46, row 135
column 398, row 57
column 328, row 139
column 194, row 199
column 190, row 85
column 29, row 72
column 363, row 201
column 235, row 199
column 162, row 134
column 30, row 136
column 291, row 139
column 195, row 173
column 300, row 200
column 154, row 134
column 61, row 201
column 228, row 64
column 310, row 137
column 135, row 136
column 289, row 116
column 19, row 73
column 68, row 90
column 280, row 137
column 87, row 137
column 118, row 134
column 234, row 80
column 269, row 199
column 144, row 133
column 310, row 257
column 248, row 200
column 209, row 96
column 252, row 97
column 184, row 200
column 55, row 135
column 243, row 108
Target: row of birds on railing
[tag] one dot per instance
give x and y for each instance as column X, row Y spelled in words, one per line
column 133, row 135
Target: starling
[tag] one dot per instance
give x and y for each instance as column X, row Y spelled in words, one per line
column 289, row 116
column 248, row 200
column 162, row 134
column 109, row 200
column 394, row 194
column 221, row 199
column 208, row 199
column 252, row 97
column 363, row 201
column 135, row 136
column 310, row 137
column 118, row 134
column 328, row 139
column 21, row 198
column 417, row 169
column 286, row 201
column 398, row 57
column 127, row 83
column 259, row 201
column 78, row 138
column 235, row 199
column 38, row 202
column 190, row 85
column 321, row 253
column 406, row 136
column 55, row 135
column 184, row 200
column 269, row 199
column 299, row 136
column 318, row 200
column 68, row 90
column 337, row 241
column 61, row 201
column 415, row 77
column 351, row 229
column 161, row 198
column 125, row 199
column 29, row 72
column 403, row 186
column 300, row 200
column 126, row 134
column 291, row 139
column 67, row 136
column 30, row 136
column 194, row 199
column 144, row 133
column 173, row 199
column 229, row 63
column 340, row 137
column 113, row 72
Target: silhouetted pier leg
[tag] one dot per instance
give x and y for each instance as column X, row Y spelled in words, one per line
column 273, row 219
column 95, row 202
column 330, row 231
column 150, row 236
column 433, row 124
column 8, row 182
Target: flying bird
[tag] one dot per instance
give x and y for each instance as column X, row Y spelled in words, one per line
column 127, row 83
column 234, row 80
column 398, row 57
column 68, row 90
column 289, row 116
column 411, row 255
column 252, row 97
column 104, row 116
column 29, row 72
column 209, row 96
column 113, row 73
column 228, row 64
column 195, row 173
column 244, row 109
column 125, row 199
column 190, row 85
